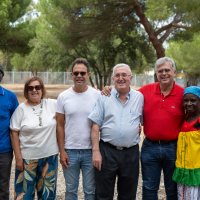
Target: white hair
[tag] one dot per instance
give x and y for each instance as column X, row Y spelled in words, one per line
column 163, row 60
column 119, row 66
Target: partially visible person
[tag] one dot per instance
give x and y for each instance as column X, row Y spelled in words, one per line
column 33, row 135
column 73, row 131
column 163, row 116
column 116, row 122
column 8, row 104
column 187, row 172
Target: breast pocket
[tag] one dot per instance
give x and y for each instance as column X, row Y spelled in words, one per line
column 134, row 117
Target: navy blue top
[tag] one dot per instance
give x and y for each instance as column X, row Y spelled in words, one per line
column 8, row 104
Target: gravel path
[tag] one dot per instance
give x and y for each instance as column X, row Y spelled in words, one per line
column 61, row 187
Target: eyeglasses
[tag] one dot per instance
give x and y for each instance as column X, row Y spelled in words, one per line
column 77, row 73
column 123, row 75
column 36, row 87
column 164, row 70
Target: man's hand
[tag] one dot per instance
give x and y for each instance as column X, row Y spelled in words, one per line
column 106, row 90
column 97, row 159
column 64, row 159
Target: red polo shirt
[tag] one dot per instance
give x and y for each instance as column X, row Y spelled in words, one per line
column 163, row 116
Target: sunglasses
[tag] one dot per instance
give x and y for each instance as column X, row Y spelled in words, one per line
column 77, row 73
column 36, row 87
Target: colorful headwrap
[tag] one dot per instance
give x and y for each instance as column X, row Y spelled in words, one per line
column 192, row 90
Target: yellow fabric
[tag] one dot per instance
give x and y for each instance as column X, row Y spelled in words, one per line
column 188, row 150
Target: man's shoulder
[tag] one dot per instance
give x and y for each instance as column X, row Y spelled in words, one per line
column 178, row 87
column 6, row 91
column 65, row 93
column 93, row 91
column 148, row 87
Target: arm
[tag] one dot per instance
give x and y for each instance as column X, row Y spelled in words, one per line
column 96, row 155
column 60, row 133
column 16, row 147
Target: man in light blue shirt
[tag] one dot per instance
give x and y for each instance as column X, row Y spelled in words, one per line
column 116, row 120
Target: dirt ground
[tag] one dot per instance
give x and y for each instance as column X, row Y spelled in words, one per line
column 52, row 92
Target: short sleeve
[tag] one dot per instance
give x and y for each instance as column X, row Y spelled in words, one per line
column 97, row 115
column 60, row 105
column 16, row 119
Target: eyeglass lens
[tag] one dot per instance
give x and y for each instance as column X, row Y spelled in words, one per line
column 124, row 75
column 36, row 87
column 77, row 73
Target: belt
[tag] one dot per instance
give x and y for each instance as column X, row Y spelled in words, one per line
column 161, row 141
column 115, row 147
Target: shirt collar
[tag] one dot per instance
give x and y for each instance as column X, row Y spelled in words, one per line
column 1, row 90
column 157, row 89
column 116, row 93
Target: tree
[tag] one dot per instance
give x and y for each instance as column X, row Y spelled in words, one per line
column 14, row 35
column 186, row 55
column 120, row 44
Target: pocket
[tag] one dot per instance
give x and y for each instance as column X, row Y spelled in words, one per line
column 134, row 118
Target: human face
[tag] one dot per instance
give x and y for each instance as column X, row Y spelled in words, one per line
column 165, row 74
column 191, row 104
column 80, row 75
column 34, row 92
column 122, row 79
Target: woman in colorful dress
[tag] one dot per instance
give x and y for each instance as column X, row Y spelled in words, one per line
column 33, row 136
column 187, row 172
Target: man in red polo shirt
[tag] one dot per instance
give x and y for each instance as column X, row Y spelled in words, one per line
column 163, row 115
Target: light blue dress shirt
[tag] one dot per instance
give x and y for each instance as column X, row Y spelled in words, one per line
column 119, row 122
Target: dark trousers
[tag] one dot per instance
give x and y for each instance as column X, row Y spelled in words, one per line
column 123, row 164
column 5, row 168
column 156, row 157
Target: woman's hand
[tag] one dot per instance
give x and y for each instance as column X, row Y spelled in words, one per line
column 19, row 164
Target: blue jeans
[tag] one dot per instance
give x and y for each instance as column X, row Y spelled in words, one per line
column 80, row 160
column 154, row 158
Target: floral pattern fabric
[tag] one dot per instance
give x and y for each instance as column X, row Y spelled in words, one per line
column 40, row 175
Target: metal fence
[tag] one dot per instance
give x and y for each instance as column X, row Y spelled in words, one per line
column 14, row 77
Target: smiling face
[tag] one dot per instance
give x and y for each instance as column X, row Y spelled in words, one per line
column 34, row 92
column 122, row 79
column 191, row 104
column 80, row 76
column 165, row 74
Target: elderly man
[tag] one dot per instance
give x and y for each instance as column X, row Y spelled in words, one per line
column 8, row 103
column 163, row 115
column 116, row 122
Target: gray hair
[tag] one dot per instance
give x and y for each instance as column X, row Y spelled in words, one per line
column 163, row 60
column 119, row 66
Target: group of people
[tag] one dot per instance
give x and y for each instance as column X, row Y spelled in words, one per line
column 99, row 136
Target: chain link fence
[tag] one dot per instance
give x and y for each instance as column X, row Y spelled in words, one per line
column 53, row 78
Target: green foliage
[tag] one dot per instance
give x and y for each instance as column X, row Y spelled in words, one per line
column 186, row 55
column 84, row 30
column 14, row 36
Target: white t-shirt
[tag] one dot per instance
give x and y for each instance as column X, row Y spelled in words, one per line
column 37, row 129
column 76, row 107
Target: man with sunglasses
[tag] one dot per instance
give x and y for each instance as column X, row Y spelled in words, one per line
column 8, row 103
column 116, row 122
column 73, row 131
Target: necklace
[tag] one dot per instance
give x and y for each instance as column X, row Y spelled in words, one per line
column 38, row 112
